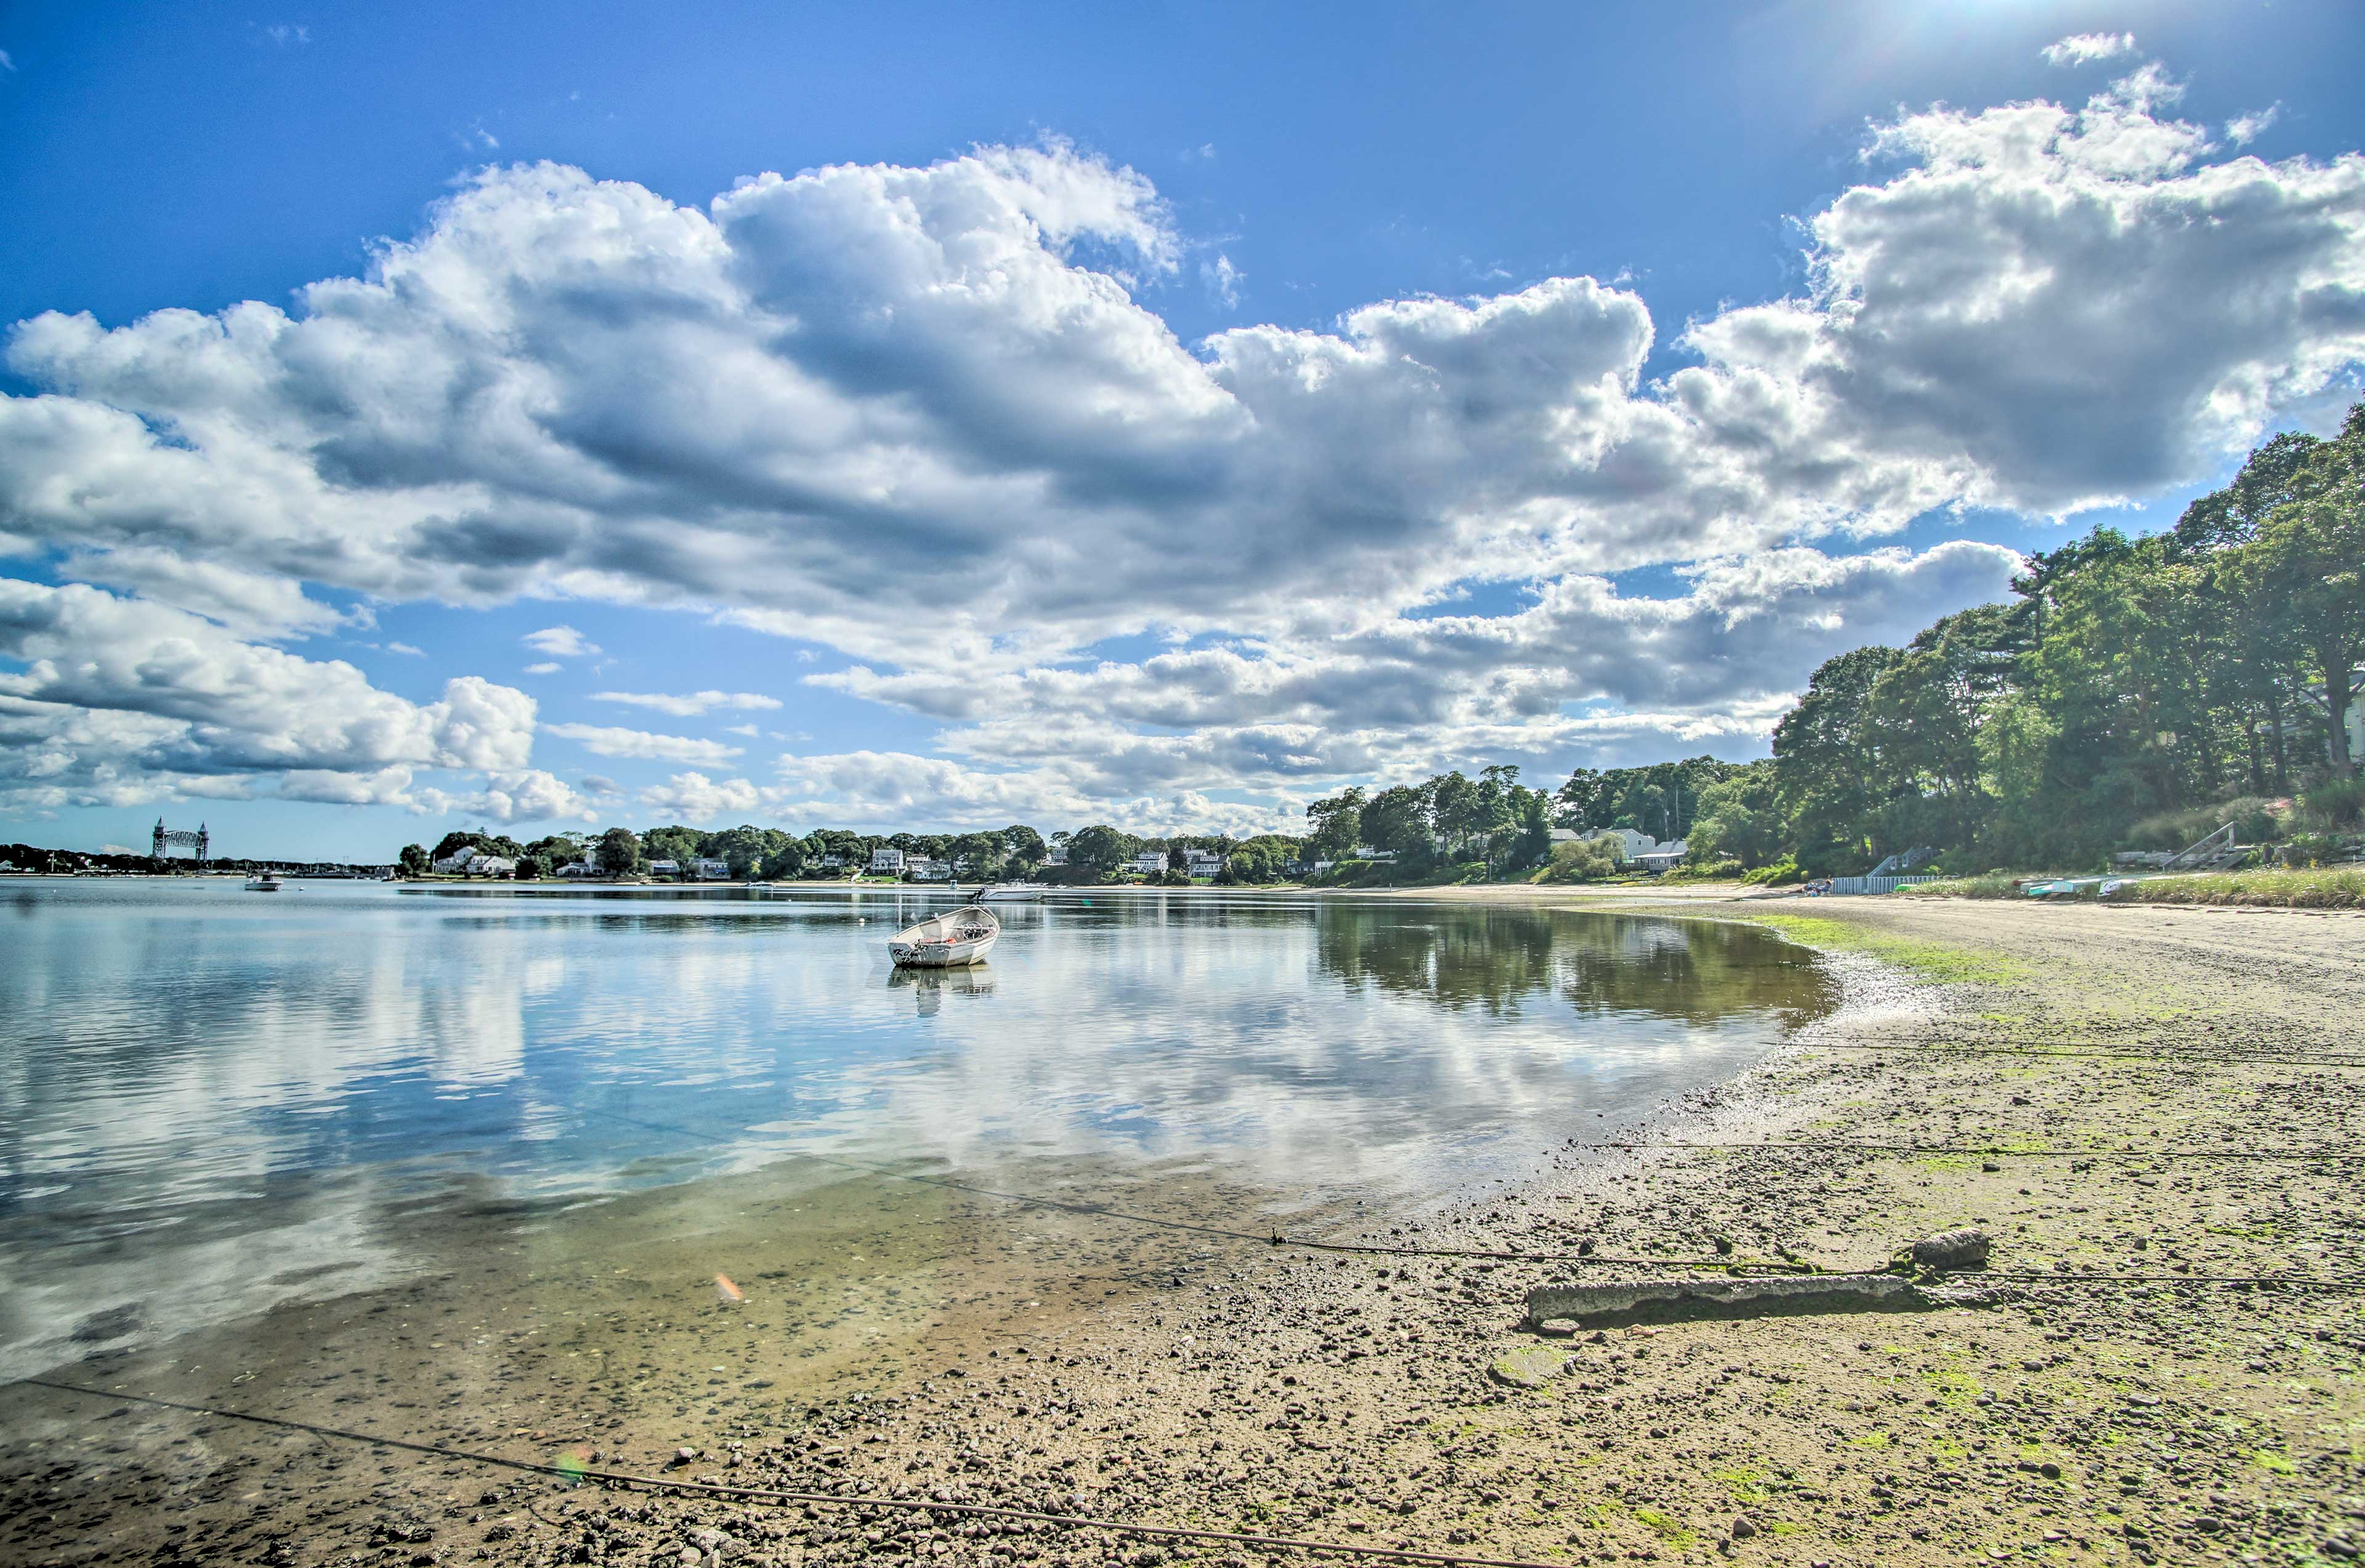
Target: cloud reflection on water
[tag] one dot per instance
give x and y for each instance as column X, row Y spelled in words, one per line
column 189, row 1073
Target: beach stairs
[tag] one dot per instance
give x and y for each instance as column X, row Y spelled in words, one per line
column 2218, row 852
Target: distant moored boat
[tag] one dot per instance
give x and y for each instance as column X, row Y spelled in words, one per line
column 262, row 882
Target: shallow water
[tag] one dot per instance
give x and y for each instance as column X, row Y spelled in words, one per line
column 219, row 1108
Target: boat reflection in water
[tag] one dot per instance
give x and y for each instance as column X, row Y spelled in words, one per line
column 930, row 987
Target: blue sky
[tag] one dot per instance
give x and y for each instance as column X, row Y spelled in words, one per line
column 1161, row 414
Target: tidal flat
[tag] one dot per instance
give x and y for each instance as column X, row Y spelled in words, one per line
column 2122, row 1404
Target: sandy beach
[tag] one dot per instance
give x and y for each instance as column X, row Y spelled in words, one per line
column 2125, row 1392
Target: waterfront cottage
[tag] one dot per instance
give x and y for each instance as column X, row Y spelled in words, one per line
column 1631, row 843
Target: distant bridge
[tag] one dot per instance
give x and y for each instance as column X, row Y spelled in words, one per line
column 166, row 840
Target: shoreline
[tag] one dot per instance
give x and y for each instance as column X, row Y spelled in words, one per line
column 1337, row 1398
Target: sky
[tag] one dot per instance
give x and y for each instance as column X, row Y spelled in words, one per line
column 430, row 417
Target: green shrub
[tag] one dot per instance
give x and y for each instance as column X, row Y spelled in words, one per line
column 2314, row 850
column 1782, row 873
column 2336, row 802
column 1581, row 860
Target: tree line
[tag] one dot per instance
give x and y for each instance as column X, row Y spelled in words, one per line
column 1093, row 854
column 2134, row 692
column 749, row 852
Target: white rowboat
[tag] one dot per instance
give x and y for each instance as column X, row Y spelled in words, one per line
column 964, row 937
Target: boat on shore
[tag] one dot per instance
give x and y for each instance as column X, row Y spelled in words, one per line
column 1013, row 892
column 964, row 935
column 262, row 882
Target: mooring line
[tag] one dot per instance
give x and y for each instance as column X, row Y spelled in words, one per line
column 1827, row 1146
column 2168, row 1058
column 2263, row 1281
column 780, row 1495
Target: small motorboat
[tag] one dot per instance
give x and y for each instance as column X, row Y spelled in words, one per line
column 262, row 882
column 1014, row 892
column 947, row 941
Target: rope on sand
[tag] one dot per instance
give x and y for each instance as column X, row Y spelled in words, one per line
column 2239, row 1282
column 2171, row 1058
column 624, row 1479
column 1829, row 1145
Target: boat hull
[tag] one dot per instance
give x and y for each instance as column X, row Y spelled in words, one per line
column 941, row 955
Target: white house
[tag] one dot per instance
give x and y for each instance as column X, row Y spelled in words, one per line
column 833, row 861
column 1203, row 862
column 885, row 859
column 470, row 861
column 1150, row 863
column 578, row 869
column 924, row 869
column 1056, row 855
column 1661, row 856
column 665, row 867
column 711, row 870
column 1633, row 843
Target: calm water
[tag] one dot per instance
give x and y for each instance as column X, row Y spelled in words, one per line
column 211, row 1100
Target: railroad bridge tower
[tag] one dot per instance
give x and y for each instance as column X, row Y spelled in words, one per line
column 166, row 840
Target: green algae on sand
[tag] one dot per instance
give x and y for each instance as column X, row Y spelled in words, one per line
column 1937, row 961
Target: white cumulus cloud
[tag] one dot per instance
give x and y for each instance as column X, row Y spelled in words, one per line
column 923, row 417
column 695, row 798
column 121, row 699
column 608, row 741
column 560, row 641
column 687, row 704
column 2084, row 49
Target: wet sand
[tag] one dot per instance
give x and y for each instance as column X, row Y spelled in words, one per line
column 1181, row 1379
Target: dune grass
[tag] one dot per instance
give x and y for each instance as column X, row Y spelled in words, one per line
column 2320, row 887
